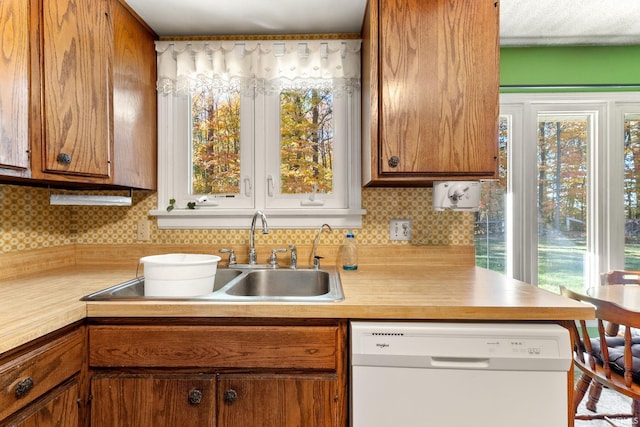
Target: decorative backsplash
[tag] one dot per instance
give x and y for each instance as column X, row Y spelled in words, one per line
column 29, row 222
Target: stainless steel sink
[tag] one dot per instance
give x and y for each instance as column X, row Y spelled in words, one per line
column 285, row 285
column 278, row 283
column 134, row 288
column 246, row 285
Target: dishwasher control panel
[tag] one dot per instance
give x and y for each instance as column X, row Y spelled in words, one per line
column 459, row 345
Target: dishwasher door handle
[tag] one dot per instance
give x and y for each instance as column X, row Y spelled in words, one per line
column 460, row 362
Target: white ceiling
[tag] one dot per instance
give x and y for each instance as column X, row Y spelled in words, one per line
column 233, row 17
column 522, row 22
column 544, row 22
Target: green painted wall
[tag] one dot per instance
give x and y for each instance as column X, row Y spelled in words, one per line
column 584, row 67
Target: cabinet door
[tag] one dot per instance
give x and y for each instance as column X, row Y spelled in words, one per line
column 14, row 90
column 26, row 378
column 134, row 102
column 153, row 400
column 60, row 408
column 278, row 400
column 76, row 56
column 436, row 65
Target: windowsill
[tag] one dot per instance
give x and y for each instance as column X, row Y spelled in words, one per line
column 241, row 218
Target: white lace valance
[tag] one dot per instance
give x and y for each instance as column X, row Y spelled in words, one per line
column 187, row 66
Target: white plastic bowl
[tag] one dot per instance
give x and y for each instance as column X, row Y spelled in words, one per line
column 179, row 275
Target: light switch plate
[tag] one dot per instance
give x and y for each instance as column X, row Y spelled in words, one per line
column 400, row 229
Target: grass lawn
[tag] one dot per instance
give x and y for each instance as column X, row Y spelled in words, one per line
column 560, row 261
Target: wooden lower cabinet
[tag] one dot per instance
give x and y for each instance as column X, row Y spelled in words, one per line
column 153, row 400
column 278, row 400
column 229, row 400
column 219, row 374
column 59, row 408
column 40, row 382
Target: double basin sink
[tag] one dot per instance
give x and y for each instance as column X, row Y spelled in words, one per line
column 246, row 285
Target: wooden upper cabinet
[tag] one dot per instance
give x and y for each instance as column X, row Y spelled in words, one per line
column 76, row 55
column 14, row 90
column 91, row 94
column 430, row 91
column 134, row 102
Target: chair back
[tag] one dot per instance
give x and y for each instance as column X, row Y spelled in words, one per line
column 593, row 352
column 620, row 277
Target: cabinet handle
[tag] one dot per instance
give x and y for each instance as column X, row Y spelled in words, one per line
column 24, row 387
column 195, row 397
column 64, row 158
column 394, row 161
column 230, row 396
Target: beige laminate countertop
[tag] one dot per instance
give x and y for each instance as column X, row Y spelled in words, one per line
column 37, row 304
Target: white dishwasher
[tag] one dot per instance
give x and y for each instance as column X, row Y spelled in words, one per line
column 457, row 374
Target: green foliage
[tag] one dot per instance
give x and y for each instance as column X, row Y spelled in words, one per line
column 562, row 198
column 631, row 167
column 306, row 150
column 216, row 143
column 562, row 176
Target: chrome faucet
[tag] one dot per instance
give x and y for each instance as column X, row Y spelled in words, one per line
column 294, row 257
column 315, row 259
column 252, row 242
column 232, row 255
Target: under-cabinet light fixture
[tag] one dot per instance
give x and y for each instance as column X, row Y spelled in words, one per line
column 89, row 200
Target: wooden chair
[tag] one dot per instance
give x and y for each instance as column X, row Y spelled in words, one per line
column 611, row 361
column 620, row 277
column 613, row 277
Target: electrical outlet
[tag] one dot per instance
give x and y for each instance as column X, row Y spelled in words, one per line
column 144, row 232
column 400, row 229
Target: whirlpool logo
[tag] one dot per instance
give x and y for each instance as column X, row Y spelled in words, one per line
column 382, row 345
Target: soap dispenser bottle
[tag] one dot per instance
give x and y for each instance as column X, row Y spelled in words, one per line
column 350, row 252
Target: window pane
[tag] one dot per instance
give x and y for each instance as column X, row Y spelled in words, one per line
column 562, row 200
column 306, row 141
column 490, row 227
column 215, row 150
column 632, row 191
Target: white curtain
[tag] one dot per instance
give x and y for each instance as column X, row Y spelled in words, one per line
column 186, row 67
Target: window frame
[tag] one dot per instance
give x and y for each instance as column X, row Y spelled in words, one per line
column 605, row 217
column 338, row 199
column 257, row 121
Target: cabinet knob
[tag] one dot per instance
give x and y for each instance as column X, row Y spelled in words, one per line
column 195, row 397
column 24, row 387
column 230, row 396
column 64, row 158
column 394, row 161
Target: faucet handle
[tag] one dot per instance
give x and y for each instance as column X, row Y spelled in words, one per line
column 273, row 259
column 316, row 262
column 232, row 255
column 294, row 256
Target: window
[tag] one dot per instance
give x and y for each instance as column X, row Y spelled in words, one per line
column 631, row 138
column 572, row 213
column 490, row 233
column 273, row 126
column 562, row 192
column 215, row 150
